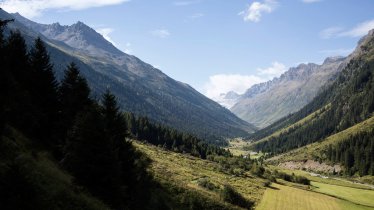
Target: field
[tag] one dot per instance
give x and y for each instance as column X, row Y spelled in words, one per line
column 240, row 147
column 281, row 197
column 324, row 193
column 354, row 195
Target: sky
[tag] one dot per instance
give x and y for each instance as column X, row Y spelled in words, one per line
column 216, row 46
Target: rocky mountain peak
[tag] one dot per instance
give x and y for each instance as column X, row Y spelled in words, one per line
column 333, row 59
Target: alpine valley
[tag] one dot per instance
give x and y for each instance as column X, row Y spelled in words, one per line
column 84, row 125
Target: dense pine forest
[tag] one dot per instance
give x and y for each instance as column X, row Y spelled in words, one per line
column 355, row 153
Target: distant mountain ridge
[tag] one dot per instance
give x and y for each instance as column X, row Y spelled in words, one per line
column 140, row 88
column 267, row 102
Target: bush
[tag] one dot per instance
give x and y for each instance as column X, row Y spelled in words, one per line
column 230, row 195
column 205, row 183
column 267, row 183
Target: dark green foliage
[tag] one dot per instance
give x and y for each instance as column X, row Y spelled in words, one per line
column 205, row 183
column 171, row 139
column 43, row 91
column 230, row 195
column 73, row 98
column 292, row 178
column 235, row 165
column 356, row 153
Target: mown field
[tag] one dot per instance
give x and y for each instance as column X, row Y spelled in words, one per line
column 323, row 193
column 354, row 195
column 282, row 197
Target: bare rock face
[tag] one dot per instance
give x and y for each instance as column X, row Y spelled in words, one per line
column 265, row 103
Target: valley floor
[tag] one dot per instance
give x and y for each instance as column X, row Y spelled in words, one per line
column 185, row 171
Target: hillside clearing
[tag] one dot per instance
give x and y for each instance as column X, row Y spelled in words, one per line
column 184, row 171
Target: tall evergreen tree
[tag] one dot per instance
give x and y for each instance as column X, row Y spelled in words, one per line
column 73, row 98
column 89, row 155
column 44, row 89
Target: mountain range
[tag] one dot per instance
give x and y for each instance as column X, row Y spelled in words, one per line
column 267, row 102
column 139, row 87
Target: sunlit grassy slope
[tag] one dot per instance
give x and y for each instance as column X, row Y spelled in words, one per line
column 316, row 150
column 300, row 123
column 184, row 171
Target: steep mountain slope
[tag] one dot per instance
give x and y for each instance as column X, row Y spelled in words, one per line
column 141, row 88
column 267, row 102
column 349, row 100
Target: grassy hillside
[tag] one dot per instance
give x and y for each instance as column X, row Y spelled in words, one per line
column 30, row 179
column 317, row 150
column 184, row 172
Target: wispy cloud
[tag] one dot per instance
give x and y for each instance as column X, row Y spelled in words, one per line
column 223, row 83
column 185, row 3
column 359, row 30
column 311, row 1
column 128, row 49
column 330, row 32
column 161, row 33
column 256, row 9
column 105, row 32
column 32, row 8
column 275, row 70
column 196, row 16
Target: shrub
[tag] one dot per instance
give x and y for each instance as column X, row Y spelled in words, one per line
column 230, row 195
column 205, row 183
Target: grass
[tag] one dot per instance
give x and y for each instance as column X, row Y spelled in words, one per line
column 289, row 198
column 236, row 147
column 354, row 195
column 316, row 150
column 185, row 171
column 240, row 147
column 281, row 197
column 299, row 123
column 330, row 180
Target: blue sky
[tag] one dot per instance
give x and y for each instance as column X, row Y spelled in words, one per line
column 216, row 45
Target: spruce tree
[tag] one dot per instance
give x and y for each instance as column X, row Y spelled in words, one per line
column 73, row 98
column 44, row 89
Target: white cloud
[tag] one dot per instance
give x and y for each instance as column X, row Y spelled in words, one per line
column 359, row 30
column 128, row 49
column 275, row 70
column 196, row 15
column 256, row 9
column 223, row 83
column 185, row 3
column 161, row 33
column 105, row 32
column 330, row 32
column 311, row 1
column 32, row 8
